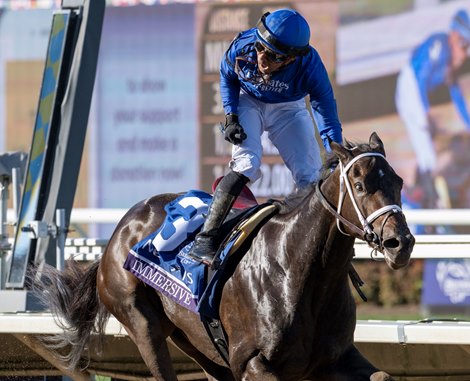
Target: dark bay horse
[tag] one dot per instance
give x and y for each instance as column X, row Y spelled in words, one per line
column 287, row 310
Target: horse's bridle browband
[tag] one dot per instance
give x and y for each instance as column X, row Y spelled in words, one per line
column 366, row 233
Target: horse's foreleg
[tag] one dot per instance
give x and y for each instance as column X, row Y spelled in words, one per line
column 353, row 366
column 214, row 371
column 257, row 369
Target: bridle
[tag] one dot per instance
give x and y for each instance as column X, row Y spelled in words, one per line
column 366, row 233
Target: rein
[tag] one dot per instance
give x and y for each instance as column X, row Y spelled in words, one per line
column 366, row 233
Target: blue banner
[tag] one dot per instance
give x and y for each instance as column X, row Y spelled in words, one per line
column 446, row 282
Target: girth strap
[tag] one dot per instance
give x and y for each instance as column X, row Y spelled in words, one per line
column 217, row 334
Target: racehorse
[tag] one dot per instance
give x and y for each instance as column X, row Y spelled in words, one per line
column 288, row 311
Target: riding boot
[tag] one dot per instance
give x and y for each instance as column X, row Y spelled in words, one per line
column 206, row 242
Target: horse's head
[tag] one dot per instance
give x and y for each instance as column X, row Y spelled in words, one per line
column 369, row 205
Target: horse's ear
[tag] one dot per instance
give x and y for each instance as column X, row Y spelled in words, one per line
column 376, row 144
column 347, row 143
column 343, row 153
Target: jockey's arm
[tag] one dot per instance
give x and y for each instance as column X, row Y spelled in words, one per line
column 459, row 102
column 229, row 84
column 324, row 107
column 326, row 118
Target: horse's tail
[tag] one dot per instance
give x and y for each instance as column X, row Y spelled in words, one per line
column 72, row 298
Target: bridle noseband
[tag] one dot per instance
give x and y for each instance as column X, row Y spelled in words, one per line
column 366, row 233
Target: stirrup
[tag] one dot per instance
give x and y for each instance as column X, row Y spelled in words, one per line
column 203, row 250
column 207, row 259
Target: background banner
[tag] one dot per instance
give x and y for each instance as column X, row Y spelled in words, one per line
column 144, row 142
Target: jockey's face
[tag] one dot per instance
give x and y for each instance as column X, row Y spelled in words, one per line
column 269, row 61
column 459, row 49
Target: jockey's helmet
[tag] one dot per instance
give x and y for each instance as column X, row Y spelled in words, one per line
column 461, row 24
column 284, row 31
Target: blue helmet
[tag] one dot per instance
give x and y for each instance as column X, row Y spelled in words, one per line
column 461, row 24
column 284, row 31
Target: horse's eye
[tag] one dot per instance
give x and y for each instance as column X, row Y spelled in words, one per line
column 359, row 187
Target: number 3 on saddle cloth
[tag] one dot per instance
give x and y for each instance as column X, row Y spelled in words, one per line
column 160, row 260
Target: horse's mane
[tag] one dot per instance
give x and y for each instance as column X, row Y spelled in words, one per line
column 331, row 162
column 297, row 198
column 294, row 199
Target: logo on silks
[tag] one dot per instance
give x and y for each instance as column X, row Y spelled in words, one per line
column 453, row 278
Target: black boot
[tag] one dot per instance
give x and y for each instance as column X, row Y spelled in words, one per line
column 206, row 243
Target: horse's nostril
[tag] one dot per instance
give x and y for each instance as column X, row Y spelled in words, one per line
column 391, row 243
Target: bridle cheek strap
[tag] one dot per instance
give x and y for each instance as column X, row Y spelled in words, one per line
column 345, row 188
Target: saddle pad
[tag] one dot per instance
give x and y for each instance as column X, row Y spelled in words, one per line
column 160, row 260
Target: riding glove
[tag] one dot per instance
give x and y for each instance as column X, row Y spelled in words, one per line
column 233, row 132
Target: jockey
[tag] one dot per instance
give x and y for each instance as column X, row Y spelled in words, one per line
column 265, row 75
column 433, row 63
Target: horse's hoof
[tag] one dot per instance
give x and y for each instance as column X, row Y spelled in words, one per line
column 381, row 376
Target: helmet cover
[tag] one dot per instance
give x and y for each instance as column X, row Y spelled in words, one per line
column 284, row 31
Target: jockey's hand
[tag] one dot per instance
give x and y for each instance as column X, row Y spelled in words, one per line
column 233, row 131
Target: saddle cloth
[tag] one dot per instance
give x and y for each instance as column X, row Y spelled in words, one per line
column 160, row 260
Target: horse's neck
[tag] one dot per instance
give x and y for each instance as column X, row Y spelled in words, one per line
column 298, row 257
column 303, row 256
column 312, row 237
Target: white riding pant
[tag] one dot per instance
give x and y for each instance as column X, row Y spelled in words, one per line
column 290, row 128
column 412, row 112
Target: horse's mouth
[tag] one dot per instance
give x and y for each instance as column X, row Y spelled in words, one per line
column 394, row 265
column 398, row 251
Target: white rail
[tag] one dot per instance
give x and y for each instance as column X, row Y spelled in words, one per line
column 413, row 332
column 367, row 331
column 427, row 246
column 430, row 217
column 415, row 216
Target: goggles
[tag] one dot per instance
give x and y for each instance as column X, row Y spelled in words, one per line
column 270, row 55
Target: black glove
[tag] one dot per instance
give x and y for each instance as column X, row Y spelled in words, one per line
column 233, row 132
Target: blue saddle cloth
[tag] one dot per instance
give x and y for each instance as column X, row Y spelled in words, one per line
column 160, row 260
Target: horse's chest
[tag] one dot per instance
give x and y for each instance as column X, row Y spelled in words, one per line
column 305, row 342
